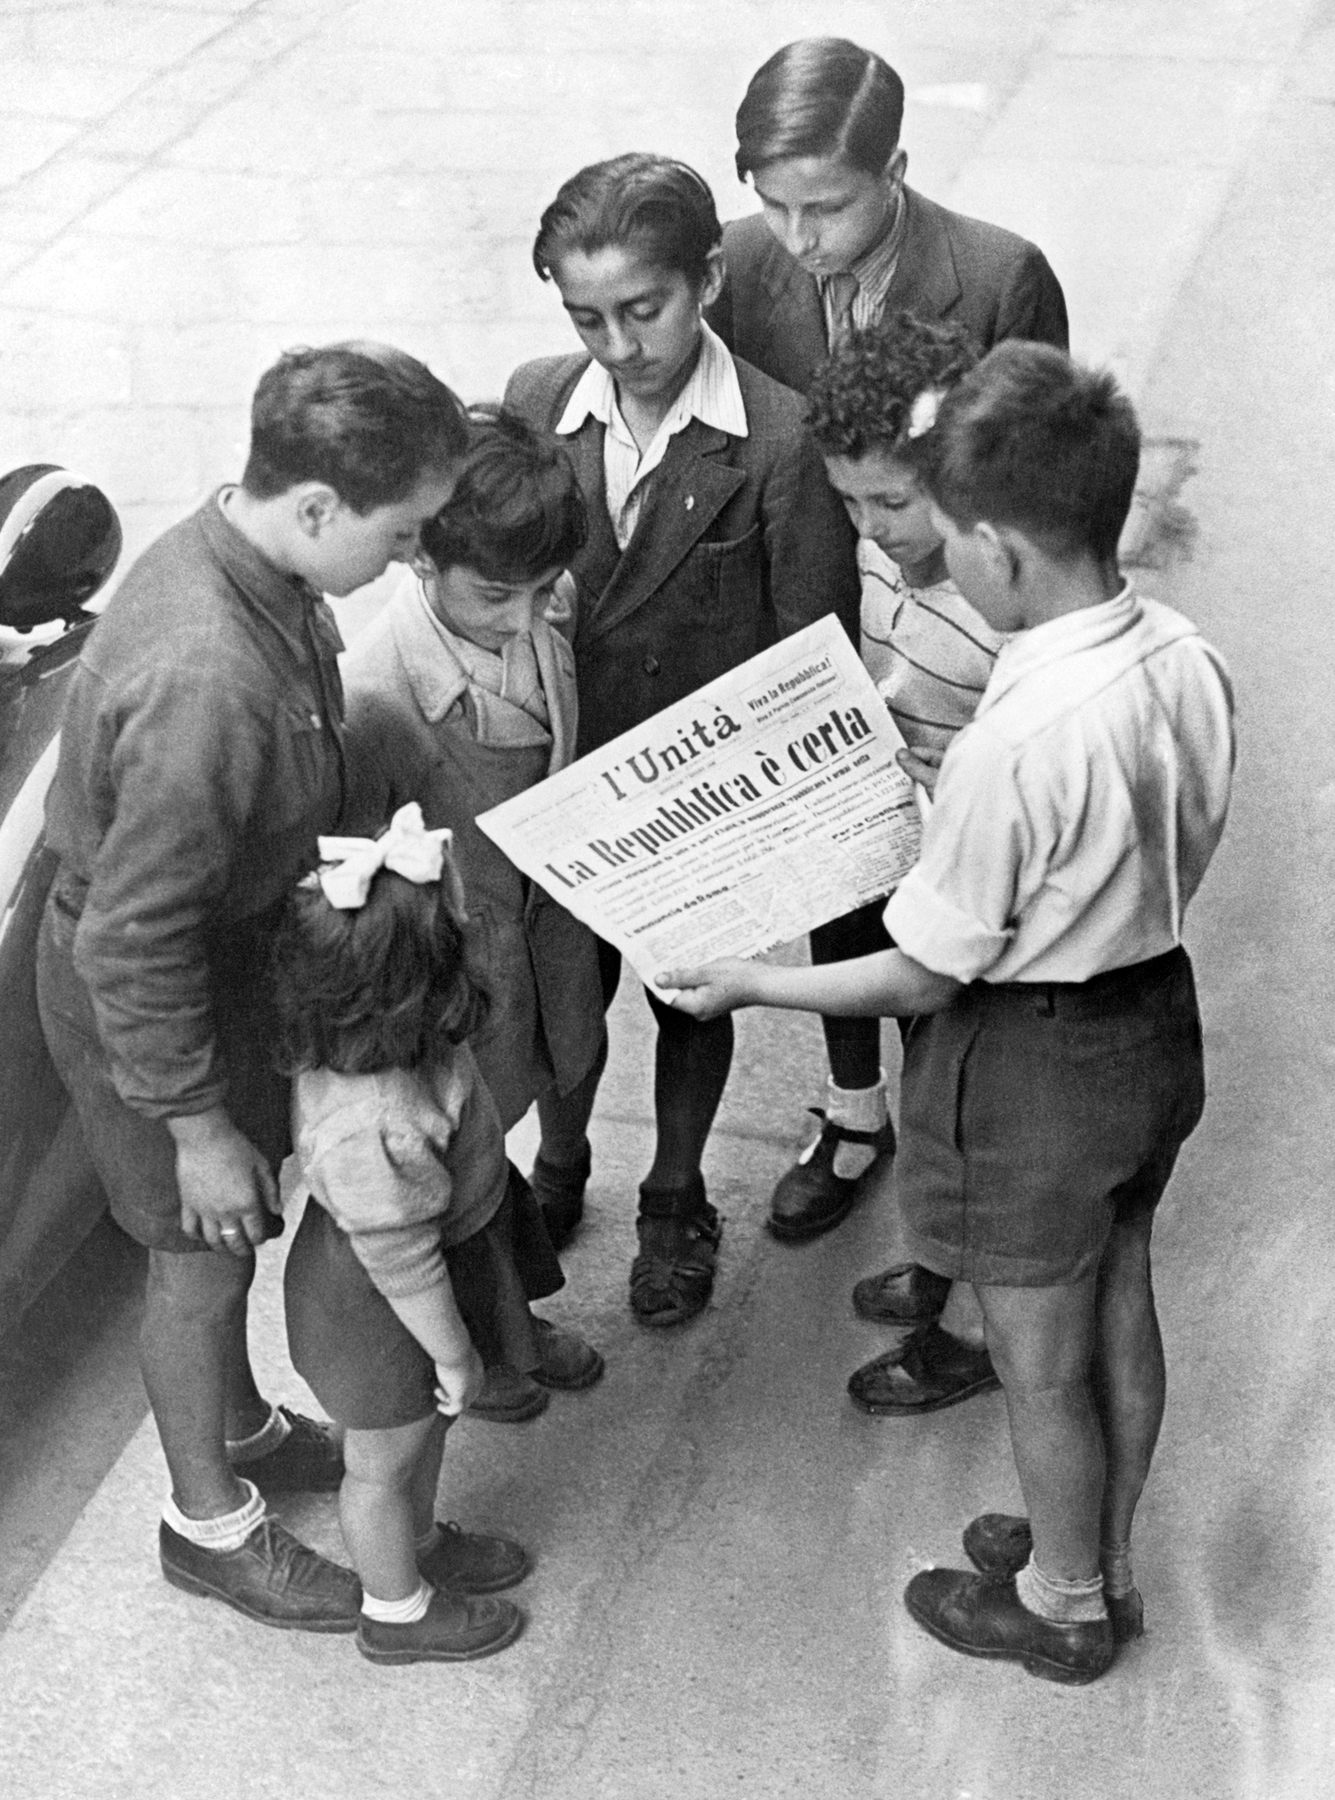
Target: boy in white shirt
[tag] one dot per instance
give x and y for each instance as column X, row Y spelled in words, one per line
column 1046, row 1096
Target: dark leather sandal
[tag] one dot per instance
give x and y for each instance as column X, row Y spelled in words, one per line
column 673, row 1276
column 904, row 1294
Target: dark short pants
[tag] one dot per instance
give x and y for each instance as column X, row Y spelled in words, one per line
column 135, row 1156
column 1034, row 1116
column 361, row 1362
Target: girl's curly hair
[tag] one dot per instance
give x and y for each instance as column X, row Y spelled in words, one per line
column 387, row 986
column 862, row 396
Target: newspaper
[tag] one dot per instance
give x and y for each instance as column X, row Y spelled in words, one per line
column 765, row 803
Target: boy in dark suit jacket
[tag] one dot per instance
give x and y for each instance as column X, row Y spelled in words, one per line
column 713, row 532
column 840, row 243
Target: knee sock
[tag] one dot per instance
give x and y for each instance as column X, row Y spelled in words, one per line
column 398, row 1612
column 1060, row 1602
column 228, row 1532
column 1115, row 1561
column 262, row 1442
column 856, row 1109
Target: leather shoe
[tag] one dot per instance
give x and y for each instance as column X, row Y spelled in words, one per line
column 569, row 1362
column 559, row 1192
column 308, row 1461
column 810, row 1198
column 473, row 1562
column 905, row 1294
column 983, row 1615
column 508, row 1397
column 673, row 1276
column 1001, row 1544
column 931, row 1370
column 273, row 1578
column 454, row 1629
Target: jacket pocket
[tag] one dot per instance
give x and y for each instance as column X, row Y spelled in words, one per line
column 727, row 583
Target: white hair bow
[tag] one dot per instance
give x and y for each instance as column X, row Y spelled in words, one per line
column 922, row 415
column 408, row 848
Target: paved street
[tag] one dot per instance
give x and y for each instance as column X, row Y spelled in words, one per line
column 721, row 1539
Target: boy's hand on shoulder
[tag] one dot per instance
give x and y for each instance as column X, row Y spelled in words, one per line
column 712, row 988
column 458, row 1383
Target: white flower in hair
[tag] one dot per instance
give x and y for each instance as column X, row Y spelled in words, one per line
column 922, row 414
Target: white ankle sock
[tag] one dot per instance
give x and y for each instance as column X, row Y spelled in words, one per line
column 271, row 1434
column 228, row 1532
column 398, row 1612
column 856, row 1109
column 1060, row 1602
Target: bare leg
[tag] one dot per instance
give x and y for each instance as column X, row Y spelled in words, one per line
column 375, row 1505
column 194, row 1320
column 1042, row 1345
column 426, row 1479
column 1128, row 1374
column 245, row 1409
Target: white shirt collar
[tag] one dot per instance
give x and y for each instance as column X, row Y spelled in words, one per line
column 713, row 395
column 1025, row 652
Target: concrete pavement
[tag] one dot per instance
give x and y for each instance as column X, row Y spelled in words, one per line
column 722, row 1540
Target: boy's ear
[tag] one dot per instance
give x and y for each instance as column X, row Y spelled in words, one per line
column 712, row 285
column 1002, row 548
column 314, row 506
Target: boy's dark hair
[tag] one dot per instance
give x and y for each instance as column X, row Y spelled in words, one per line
column 387, row 986
column 1031, row 440
column 861, row 397
column 651, row 204
column 365, row 418
column 821, row 97
column 516, row 510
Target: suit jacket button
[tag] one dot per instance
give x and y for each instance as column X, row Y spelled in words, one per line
column 651, row 665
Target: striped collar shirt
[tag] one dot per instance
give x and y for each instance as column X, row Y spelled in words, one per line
column 873, row 271
column 713, row 395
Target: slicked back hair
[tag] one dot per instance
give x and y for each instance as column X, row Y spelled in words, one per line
column 861, row 397
column 368, row 420
column 653, row 205
column 516, row 510
column 1031, row 440
column 821, row 96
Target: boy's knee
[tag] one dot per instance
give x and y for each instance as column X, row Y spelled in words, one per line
column 202, row 1284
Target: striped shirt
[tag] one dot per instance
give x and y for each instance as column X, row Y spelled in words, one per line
column 873, row 271
column 713, row 395
column 929, row 653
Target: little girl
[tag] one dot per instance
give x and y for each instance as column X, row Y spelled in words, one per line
column 712, row 532
column 402, row 1276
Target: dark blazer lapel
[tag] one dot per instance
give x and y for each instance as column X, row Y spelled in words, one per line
column 925, row 281
column 687, row 492
column 798, row 318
